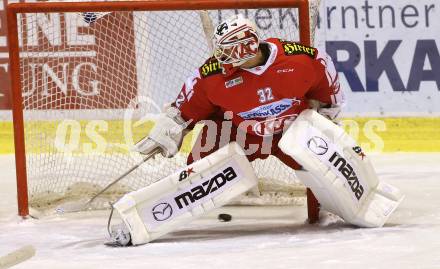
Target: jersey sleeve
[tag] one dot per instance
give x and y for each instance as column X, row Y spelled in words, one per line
column 193, row 101
column 326, row 88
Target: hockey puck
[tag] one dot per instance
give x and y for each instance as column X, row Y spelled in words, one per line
column 224, row 217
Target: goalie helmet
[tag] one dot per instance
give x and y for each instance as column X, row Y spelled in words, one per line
column 235, row 41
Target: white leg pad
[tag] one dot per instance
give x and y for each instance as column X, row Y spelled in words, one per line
column 338, row 173
column 319, row 190
column 187, row 194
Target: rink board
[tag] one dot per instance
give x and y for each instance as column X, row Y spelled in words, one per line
column 408, row 134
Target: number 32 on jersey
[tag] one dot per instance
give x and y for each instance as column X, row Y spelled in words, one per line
column 265, row 95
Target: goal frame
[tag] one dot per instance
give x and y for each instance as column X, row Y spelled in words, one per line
column 156, row 5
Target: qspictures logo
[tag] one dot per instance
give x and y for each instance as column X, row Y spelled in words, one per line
column 70, row 62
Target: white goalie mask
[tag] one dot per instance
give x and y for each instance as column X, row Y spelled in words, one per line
column 235, row 41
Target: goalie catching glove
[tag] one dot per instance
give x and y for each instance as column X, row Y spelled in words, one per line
column 167, row 133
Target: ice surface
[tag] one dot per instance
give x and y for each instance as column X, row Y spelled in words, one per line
column 269, row 237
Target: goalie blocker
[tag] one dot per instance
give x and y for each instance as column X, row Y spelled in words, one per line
column 338, row 172
column 160, row 208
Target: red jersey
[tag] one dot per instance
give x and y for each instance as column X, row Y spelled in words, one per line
column 265, row 98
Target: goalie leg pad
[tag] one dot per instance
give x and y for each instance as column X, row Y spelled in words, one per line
column 187, row 194
column 339, row 174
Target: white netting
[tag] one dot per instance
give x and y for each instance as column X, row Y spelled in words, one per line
column 91, row 83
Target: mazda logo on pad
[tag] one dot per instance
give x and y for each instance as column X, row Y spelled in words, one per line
column 162, row 211
column 317, row 145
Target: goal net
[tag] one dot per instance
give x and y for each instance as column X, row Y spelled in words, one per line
column 89, row 84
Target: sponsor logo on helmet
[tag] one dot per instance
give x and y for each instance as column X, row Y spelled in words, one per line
column 270, row 110
column 273, row 126
column 233, row 82
column 162, row 211
column 221, row 28
column 212, row 67
column 317, row 145
column 89, row 17
column 292, row 48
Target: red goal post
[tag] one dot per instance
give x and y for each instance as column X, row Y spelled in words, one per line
column 58, row 7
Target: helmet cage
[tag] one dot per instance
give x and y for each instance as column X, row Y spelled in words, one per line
column 237, row 46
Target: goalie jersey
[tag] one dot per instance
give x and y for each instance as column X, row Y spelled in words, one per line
column 266, row 98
